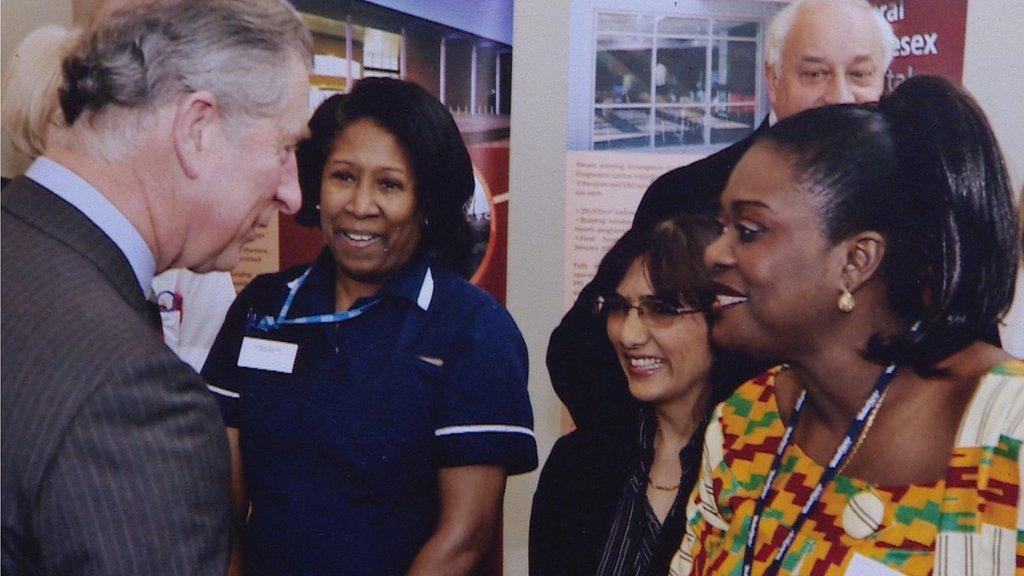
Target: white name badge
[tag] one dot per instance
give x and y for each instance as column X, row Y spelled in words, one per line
column 864, row 566
column 267, row 355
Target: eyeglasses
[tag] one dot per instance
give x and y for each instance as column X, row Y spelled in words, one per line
column 653, row 312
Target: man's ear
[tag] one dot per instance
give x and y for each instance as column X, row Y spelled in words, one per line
column 864, row 252
column 770, row 81
column 196, row 119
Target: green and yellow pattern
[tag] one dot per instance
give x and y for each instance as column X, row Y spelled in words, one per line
column 968, row 523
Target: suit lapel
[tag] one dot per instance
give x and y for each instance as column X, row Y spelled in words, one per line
column 44, row 210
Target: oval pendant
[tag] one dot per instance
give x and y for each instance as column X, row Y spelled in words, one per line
column 863, row 515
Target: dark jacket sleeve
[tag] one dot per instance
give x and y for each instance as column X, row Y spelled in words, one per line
column 546, row 541
column 140, row 482
column 694, row 188
column 575, row 502
column 586, row 374
column 690, row 189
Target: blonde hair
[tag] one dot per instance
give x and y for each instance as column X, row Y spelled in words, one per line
column 30, row 106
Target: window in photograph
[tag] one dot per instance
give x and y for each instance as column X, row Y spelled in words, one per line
column 669, row 81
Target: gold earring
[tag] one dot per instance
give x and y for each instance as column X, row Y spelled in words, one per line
column 846, row 302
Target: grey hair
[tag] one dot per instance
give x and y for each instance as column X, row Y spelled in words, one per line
column 782, row 23
column 30, row 109
column 148, row 54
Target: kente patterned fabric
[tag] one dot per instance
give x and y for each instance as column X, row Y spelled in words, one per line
column 968, row 523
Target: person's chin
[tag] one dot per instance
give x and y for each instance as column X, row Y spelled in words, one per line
column 647, row 389
column 732, row 337
column 727, row 335
column 225, row 261
column 361, row 270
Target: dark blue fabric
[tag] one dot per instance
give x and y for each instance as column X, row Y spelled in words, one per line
column 341, row 456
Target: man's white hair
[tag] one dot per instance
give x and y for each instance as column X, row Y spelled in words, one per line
column 782, row 24
column 147, row 54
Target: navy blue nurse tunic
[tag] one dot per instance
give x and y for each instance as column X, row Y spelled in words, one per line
column 341, row 455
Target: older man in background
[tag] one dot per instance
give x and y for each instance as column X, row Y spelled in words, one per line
column 181, row 119
column 818, row 52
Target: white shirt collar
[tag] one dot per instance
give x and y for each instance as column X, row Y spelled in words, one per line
column 426, row 291
column 97, row 208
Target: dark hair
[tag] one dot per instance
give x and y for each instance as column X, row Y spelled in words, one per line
column 673, row 254
column 923, row 169
column 441, row 166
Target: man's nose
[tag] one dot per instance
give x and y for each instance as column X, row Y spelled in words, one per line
column 839, row 91
column 289, row 196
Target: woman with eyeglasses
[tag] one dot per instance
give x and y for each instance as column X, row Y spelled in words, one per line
column 608, row 504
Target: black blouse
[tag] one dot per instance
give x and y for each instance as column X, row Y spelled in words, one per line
column 591, row 505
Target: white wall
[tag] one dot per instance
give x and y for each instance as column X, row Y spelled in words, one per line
column 992, row 71
column 540, row 70
column 993, row 68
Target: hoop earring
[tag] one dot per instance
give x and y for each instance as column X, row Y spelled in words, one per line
column 846, row 302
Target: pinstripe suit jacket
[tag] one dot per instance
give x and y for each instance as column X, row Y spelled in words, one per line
column 115, row 459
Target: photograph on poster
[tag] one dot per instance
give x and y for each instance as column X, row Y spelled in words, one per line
column 669, row 81
column 653, row 85
column 465, row 62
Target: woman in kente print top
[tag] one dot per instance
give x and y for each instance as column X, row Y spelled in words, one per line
column 870, row 248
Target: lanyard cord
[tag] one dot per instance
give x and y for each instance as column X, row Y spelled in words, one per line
column 842, row 452
column 268, row 323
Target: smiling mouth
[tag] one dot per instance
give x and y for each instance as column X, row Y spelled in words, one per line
column 724, row 300
column 644, row 365
column 726, row 297
column 360, row 239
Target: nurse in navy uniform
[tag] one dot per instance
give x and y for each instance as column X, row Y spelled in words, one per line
column 375, row 400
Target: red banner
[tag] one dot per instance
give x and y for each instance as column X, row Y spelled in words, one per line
column 931, row 38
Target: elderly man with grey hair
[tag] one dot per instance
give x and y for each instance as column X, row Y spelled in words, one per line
column 181, row 119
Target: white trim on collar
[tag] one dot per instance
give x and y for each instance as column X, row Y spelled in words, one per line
column 426, row 291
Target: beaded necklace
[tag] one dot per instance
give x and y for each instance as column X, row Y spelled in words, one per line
column 852, row 440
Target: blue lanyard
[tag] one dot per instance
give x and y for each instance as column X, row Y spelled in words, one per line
column 268, row 323
column 852, row 435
